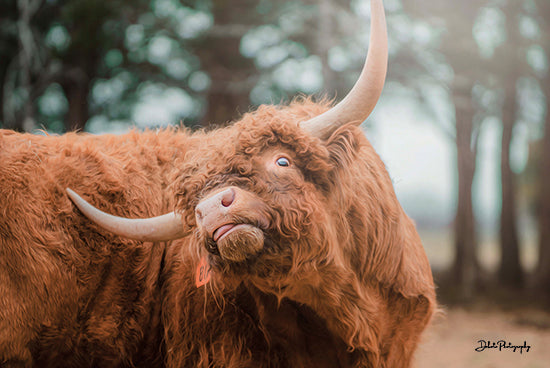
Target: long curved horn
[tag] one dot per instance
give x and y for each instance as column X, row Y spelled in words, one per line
column 364, row 95
column 154, row 229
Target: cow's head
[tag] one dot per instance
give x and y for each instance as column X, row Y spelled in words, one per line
column 255, row 190
column 265, row 180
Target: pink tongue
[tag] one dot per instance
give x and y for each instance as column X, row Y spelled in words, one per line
column 222, row 230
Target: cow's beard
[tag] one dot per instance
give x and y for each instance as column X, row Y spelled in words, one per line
column 241, row 244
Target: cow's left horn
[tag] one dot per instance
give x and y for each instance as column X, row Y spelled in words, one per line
column 154, row 229
column 364, row 95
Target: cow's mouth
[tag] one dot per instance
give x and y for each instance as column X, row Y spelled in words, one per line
column 224, row 230
column 237, row 242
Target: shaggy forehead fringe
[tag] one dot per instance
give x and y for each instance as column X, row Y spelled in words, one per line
column 279, row 125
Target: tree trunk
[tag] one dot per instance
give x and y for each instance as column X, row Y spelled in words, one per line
column 229, row 71
column 77, row 91
column 543, row 269
column 509, row 273
column 464, row 271
column 509, row 65
column 27, row 62
column 3, row 72
column 461, row 51
column 323, row 40
column 228, row 97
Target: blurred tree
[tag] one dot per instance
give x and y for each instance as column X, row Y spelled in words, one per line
column 283, row 48
column 509, row 66
column 68, row 61
column 307, row 46
column 260, row 51
column 232, row 75
column 58, row 42
column 153, row 63
column 461, row 52
column 543, row 267
column 461, row 59
column 323, row 41
column 9, row 47
column 21, row 55
column 90, row 38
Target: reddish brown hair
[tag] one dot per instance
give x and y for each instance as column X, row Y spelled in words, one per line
column 343, row 281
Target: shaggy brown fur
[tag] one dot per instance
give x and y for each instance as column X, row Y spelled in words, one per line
column 342, row 279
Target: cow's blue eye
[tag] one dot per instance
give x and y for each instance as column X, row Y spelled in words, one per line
column 283, row 162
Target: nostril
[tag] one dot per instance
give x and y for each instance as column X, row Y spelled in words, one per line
column 228, row 197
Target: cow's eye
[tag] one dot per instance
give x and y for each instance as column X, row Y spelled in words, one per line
column 283, row 162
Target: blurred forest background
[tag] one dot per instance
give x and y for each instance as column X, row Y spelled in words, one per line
column 463, row 123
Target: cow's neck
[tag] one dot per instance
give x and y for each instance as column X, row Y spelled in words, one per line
column 298, row 332
column 350, row 310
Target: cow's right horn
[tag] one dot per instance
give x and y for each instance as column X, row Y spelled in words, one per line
column 364, row 95
column 155, row 229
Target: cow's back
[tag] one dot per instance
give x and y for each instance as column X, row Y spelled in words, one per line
column 68, row 291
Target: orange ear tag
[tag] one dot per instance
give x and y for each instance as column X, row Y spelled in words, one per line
column 202, row 276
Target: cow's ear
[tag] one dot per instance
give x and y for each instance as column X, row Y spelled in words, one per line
column 343, row 145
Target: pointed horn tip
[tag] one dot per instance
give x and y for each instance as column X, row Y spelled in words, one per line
column 161, row 228
column 77, row 199
column 71, row 193
column 359, row 103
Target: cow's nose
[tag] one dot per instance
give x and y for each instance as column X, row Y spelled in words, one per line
column 227, row 197
column 219, row 202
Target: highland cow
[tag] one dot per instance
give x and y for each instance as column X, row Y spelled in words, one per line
column 282, row 244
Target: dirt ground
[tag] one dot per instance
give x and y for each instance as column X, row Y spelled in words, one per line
column 452, row 338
